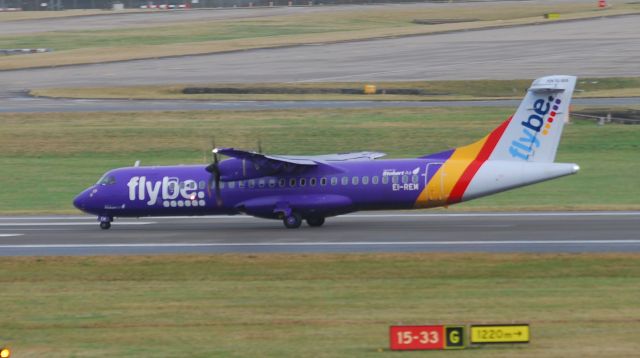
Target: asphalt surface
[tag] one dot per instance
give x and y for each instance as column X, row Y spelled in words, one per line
column 22, row 104
column 154, row 18
column 363, row 232
column 598, row 48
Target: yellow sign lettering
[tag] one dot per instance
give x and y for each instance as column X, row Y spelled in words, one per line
column 510, row 333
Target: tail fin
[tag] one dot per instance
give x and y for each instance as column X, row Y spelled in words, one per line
column 534, row 131
column 497, row 161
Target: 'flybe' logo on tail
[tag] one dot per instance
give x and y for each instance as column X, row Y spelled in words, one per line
column 534, row 125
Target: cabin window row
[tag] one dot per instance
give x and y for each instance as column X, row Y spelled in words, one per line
column 313, row 182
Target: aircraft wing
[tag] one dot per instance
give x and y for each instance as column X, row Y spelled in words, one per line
column 303, row 160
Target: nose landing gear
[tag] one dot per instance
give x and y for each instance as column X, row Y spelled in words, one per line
column 105, row 222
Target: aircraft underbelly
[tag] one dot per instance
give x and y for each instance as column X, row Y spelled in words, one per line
column 307, row 204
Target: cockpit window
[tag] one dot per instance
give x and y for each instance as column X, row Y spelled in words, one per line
column 107, row 179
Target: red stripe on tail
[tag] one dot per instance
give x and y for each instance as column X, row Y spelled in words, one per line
column 488, row 147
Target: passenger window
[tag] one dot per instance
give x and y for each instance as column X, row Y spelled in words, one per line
column 405, row 179
column 313, row 181
column 282, row 182
column 394, row 179
column 374, row 180
column 242, row 184
column 334, row 180
column 323, row 181
column 414, row 179
column 345, row 180
column 261, row 183
column 354, row 180
column 365, row 180
column 272, row 183
column 221, row 185
column 385, row 180
column 202, row 185
column 292, row 182
column 303, row 181
column 231, row 184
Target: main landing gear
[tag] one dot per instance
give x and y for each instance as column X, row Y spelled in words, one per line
column 294, row 220
column 315, row 221
column 105, row 222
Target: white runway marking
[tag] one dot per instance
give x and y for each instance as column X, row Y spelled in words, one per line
column 359, row 216
column 355, row 243
column 72, row 223
column 497, row 215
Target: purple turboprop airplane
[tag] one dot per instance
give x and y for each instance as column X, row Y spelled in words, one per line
column 521, row 151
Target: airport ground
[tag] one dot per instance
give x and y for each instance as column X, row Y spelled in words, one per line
column 96, row 39
column 317, row 304
column 293, row 305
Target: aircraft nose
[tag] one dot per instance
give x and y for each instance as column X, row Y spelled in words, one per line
column 79, row 200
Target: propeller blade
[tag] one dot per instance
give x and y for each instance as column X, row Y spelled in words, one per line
column 218, row 193
column 214, row 169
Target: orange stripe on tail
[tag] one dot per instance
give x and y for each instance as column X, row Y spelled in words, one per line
column 463, row 182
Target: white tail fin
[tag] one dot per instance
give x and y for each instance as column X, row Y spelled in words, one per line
column 533, row 134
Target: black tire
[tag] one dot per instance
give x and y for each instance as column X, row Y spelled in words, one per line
column 105, row 225
column 315, row 221
column 292, row 221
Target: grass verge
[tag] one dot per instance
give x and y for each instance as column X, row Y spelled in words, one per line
column 359, row 23
column 37, row 15
column 314, row 305
column 430, row 90
column 47, row 158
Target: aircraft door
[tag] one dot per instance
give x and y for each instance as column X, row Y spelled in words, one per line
column 434, row 181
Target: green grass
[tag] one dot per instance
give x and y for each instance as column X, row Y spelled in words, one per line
column 314, row 305
column 431, row 90
column 69, row 40
column 262, row 25
column 47, row 158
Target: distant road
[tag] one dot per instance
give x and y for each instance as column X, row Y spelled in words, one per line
column 35, row 105
column 363, row 232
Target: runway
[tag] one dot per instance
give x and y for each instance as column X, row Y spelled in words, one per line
column 363, row 232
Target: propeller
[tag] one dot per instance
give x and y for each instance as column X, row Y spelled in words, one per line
column 214, row 169
column 259, row 145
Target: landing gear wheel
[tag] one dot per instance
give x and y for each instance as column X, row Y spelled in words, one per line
column 105, row 225
column 292, row 221
column 315, row 221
